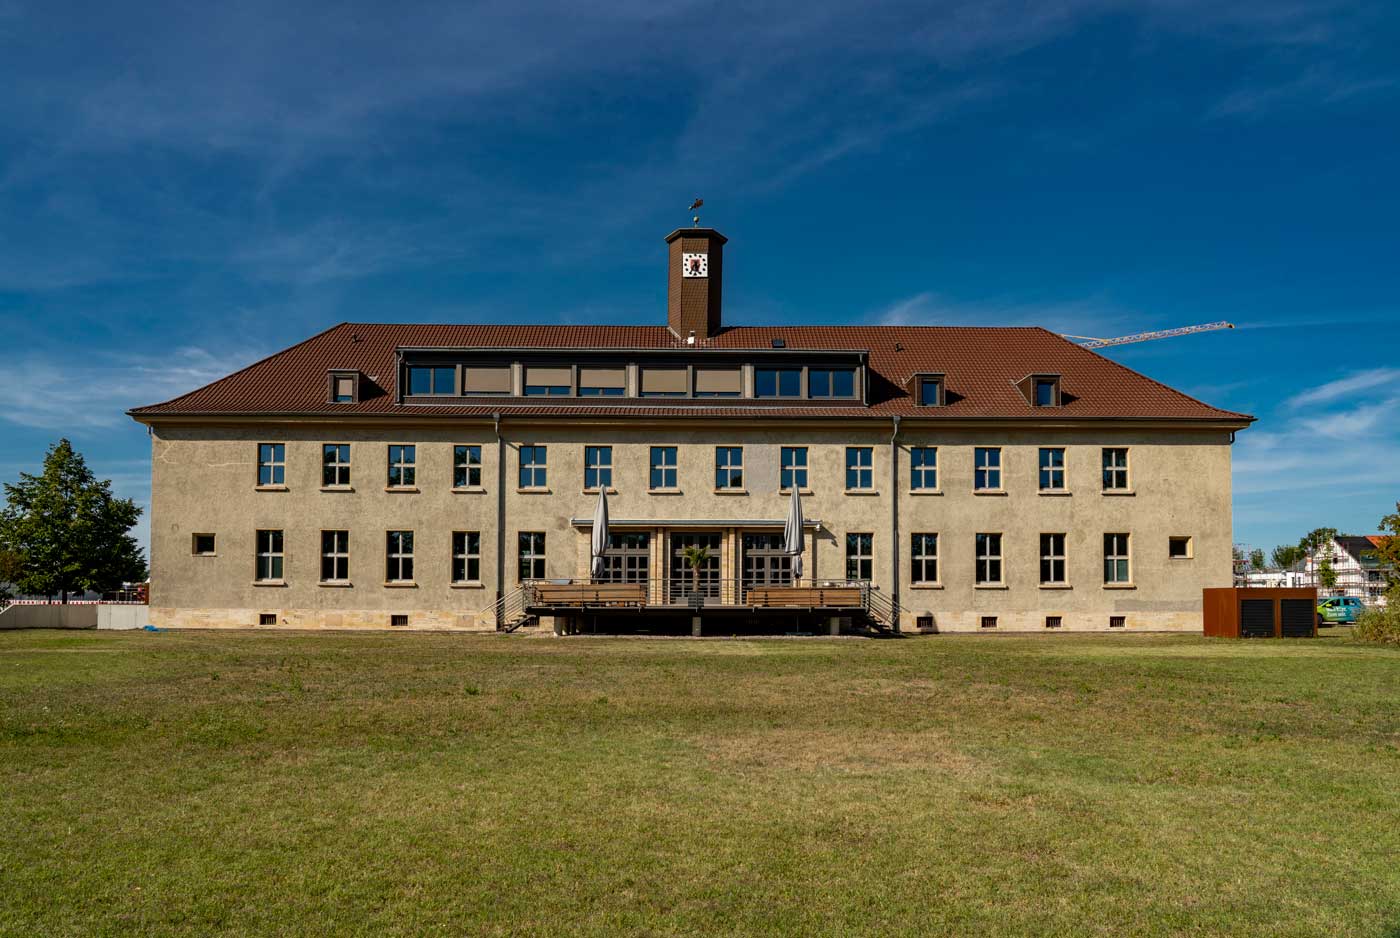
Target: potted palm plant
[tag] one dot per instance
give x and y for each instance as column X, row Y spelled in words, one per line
column 696, row 557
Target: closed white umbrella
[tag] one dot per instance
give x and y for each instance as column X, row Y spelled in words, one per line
column 600, row 533
column 792, row 533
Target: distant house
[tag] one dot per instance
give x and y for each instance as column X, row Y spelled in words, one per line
column 1360, row 573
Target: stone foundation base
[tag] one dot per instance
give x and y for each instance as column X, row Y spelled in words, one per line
column 1181, row 621
column 426, row 621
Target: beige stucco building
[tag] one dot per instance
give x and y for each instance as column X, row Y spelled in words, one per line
column 951, row 479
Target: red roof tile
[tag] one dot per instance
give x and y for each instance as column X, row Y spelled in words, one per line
column 981, row 366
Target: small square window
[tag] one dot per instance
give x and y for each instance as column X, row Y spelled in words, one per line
column 930, row 391
column 202, row 545
column 267, row 618
column 1052, row 622
column 1179, row 548
column 989, row 622
column 398, row 620
column 1117, row 622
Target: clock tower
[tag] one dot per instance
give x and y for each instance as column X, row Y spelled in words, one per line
column 694, row 281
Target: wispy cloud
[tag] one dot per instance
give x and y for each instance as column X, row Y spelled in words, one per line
column 57, row 393
column 1347, row 387
column 1092, row 316
column 1320, row 84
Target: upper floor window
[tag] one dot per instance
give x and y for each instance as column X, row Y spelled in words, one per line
column 335, row 556
column 792, row 467
column 1052, row 468
column 831, row 382
column 466, row 556
column 1052, row 559
column 663, row 467
column 602, row 382
column 272, row 463
column 269, row 556
column 432, row 379
column 1115, row 469
column 930, row 390
column 860, row 561
column 989, row 558
column 923, row 468
column 729, row 467
column 987, row 469
column 597, row 467
column 777, row 382
column 719, row 382
column 335, row 464
column 402, row 465
column 923, row 558
column 530, row 553
column 466, row 467
column 664, row 382
column 534, row 467
column 860, row 471
column 1117, row 567
column 398, row 557
column 543, row 381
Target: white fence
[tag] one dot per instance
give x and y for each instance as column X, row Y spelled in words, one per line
column 87, row 615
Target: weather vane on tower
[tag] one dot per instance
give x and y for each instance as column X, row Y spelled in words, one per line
column 693, row 206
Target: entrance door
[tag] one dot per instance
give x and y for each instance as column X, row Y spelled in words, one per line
column 683, row 579
column 765, row 562
column 628, row 558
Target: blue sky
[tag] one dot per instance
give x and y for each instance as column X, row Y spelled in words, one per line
column 185, row 188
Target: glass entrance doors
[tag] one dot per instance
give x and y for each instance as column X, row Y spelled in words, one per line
column 765, row 562
column 687, row 583
column 628, row 558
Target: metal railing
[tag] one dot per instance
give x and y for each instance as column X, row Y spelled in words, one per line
column 507, row 613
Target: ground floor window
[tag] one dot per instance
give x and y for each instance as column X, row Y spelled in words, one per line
column 530, row 547
column 398, row 552
column 335, row 556
column 270, row 556
column 466, row 556
column 923, row 558
column 860, row 556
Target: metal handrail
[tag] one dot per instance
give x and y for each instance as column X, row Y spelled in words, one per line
column 676, row 591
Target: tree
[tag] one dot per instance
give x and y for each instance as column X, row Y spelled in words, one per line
column 1326, row 573
column 1286, row 556
column 11, row 569
column 69, row 530
column 1314, row 541
column 695, row 558
column 1256, row 558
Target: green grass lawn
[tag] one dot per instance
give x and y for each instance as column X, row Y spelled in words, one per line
column 422, row 784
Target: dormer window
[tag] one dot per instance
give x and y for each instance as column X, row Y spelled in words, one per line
column 432, row 380
column 344, row 387
column 1040, row 390
column 549, row 381
column 777, row 382
column 831, row 382
column 929, row 390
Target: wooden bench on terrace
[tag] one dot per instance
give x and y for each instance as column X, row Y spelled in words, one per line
column 590, row 594
column 811, row 597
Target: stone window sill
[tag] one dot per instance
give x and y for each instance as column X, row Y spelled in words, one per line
column 400, row 584
column 270, row 488
column 470, row 490
column 731, row 491
column 862, row 492
column 1120, row 586
column 671, row 491
column 788, row 491
column 926, row 586
column 269, row 582
column 925, row 491
column 989, row 491
column 1119, row 492
column 534, row 490
column 335, row 584
column 401, row 489
column 1055, row 586
column 990, row 586
column 204, row 555
column 1057, row 493
column 469, row 585
column 337, row 488
column 595, row 490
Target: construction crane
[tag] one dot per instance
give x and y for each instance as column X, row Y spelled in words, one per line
column 1091, row 342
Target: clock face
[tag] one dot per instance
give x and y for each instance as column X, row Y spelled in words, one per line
column 695, row 265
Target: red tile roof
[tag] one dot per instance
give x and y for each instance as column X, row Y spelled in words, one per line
column 981, row 366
